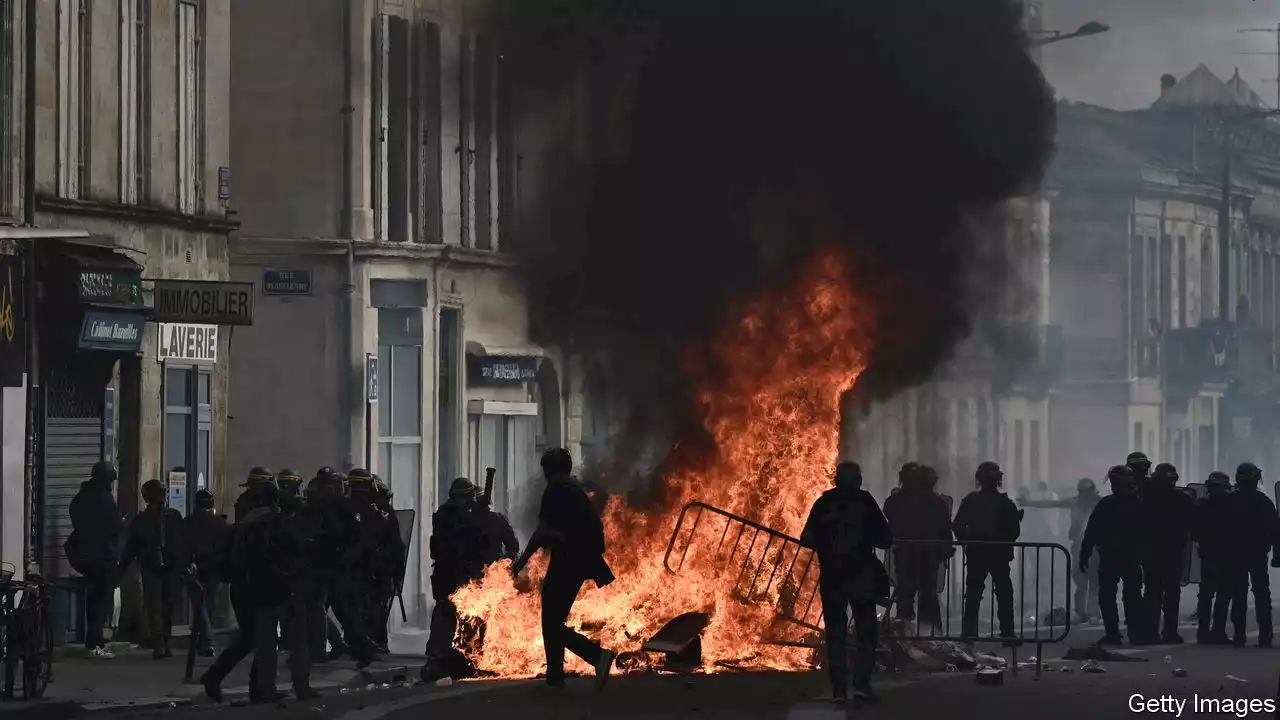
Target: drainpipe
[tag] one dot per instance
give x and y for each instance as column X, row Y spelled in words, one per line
column 346, row 378
column 31, row 500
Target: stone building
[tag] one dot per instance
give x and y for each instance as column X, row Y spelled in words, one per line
column 379, row 183
column 129, row 155
column 1152, row 361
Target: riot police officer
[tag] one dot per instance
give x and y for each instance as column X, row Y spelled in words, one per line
column 380, row 564
column 988, row 515
column 850, row 575
column 1140, row 465
column 1168, row 522
column 1256, row 519
column 208, row 533
column 333, row 535
column 918, row 513
column 1216, row 536
column 457, row 547
column 246, row 501
column 290, row 484
column 157, row 541
column 1115, row 529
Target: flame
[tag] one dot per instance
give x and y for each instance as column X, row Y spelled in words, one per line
column 770, row 391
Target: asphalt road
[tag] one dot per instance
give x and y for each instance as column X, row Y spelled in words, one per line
column 1213, row 673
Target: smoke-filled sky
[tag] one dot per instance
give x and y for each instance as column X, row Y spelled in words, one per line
column 1148, row 38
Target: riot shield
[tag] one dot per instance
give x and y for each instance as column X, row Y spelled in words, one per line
column 1275, row 493
column 405, row 518
column 1191, row 562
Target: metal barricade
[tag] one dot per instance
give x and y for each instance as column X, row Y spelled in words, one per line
column 770, row 566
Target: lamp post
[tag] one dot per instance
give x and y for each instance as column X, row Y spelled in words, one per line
column 1052, row 36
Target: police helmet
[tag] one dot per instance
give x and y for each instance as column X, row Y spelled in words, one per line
column 908, row 472
column 381, row 487
column 204, row 499
column 848, row 474
column 461, row 488
column 103, row 472
column 1120, row 477
column 1248, row 474
column 1218, row 479
column 360, row 477
column 288, row 480
column 556, row 461
column 1166, row 472
column 153, row 490
column 1086, row 485
column 1138, row 462
column 258, row 474
column 989, row 472
column 928, row 476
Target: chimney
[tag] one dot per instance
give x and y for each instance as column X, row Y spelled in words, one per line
column 1167, row 81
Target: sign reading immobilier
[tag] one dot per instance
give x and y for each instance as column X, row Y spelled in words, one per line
column 203, row 303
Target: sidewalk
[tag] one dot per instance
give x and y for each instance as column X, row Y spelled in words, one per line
column 135, row 680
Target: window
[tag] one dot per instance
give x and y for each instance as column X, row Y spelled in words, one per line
column 486, row 135
column 190, row 106
column 8, row 110
column 74, row 58
column 1137, row 292
column 1208, row 283
column 1166, row 282
column 135, row 94
column 391, row 117
column 426, row 177
column 1036, row 475
column 467, row 142
column 1181, row 294
column 1151, row 301
column 450, row 389
column 188, row 428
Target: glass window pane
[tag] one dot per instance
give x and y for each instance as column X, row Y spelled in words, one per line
column 406, row 472
column 384, row 390
column 384, row 461
column 206, row 387
column 177, row 432
column 406, row 387
column 177, row 387
column 202, row 459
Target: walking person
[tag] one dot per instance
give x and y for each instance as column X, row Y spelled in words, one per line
column 93, row 550
column 570, row 529
column 1115, row 529
column 844, row 528
column 157, row 542
column 208, row 532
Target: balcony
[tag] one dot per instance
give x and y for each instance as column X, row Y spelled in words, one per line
column 1027, row 356
column 1207, row 355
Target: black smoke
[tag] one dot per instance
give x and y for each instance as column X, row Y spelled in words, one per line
column 724, row 142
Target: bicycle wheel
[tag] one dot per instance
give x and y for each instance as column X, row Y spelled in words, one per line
column 37, row 662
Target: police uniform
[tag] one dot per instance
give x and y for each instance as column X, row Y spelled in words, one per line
column 918, row 513
column 333, row 534
column 1115, row 529
column 208, row 532
column 157, row 542
column 988, row 515
column 457, row 544
column 1256, row 520
column 850, row 575
column 382, row 555
column 1215, row 535
column 1168, row 526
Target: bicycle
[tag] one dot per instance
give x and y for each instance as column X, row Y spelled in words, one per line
column 26, row 635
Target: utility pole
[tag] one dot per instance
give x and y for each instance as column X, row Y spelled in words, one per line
column 1276, row 54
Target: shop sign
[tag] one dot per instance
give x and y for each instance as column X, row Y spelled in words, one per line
column 286, row 282
column 120, row 287
column 188, row 343
column 178, row 491
column 203, row 302
column 112, row 331
column 13, row 359
column 502, row 369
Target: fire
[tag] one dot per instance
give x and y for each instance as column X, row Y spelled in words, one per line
column 770, row 394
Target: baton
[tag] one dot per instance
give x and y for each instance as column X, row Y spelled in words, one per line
column 197, row 601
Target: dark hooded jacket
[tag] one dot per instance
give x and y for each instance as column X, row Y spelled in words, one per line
column 153, row 550
column 96, row 528
column 845, row 527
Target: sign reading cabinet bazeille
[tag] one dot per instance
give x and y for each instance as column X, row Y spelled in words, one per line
column 187, row 343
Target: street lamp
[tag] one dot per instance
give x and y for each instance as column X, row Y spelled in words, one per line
column 1052, row 36
column 1224, row 209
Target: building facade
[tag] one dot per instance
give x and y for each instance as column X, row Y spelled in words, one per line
column 1153, row 361
column 129, row 145
column 378, row 187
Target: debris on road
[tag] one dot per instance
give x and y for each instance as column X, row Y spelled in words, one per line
column 1100, row 654
column 1179, row 673
column 1233, row 678
column 990, row 676
column 1092, row 666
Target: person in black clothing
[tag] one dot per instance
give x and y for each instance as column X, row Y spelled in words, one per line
column 247, row 499
column 381, row 556
column 290, row 484
column 457, row 555
column 570, row 529
column 1115, row 529
column 208, row 533
column 93, row 549
column 1255, row 517
column 157, row 542
column 333, row 550
column 1216, row 537
column 499, row 537
column 267, row 558
column 1168, row 523
column 919, row 513
column 988, row 516
column 844, row 528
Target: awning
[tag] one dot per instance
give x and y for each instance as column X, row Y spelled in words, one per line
column 92, row 257
column 526, row 351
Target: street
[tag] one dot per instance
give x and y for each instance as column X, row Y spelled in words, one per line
column 1217, row 673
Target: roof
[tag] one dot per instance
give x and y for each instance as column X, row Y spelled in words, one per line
column 1202, row 88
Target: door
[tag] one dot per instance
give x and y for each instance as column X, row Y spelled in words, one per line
column 187, row 433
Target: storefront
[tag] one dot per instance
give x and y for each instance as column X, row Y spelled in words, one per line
column 92, row 317
column 188, row 354
column 503, row 423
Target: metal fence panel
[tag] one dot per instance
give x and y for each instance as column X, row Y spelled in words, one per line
column 770, row 566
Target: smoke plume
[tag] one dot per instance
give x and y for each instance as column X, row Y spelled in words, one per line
column 704, row 149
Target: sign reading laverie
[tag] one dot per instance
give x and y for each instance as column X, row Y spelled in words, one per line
column 189, row 343
column 203, row 302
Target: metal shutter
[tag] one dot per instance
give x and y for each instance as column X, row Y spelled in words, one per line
column 72, row 446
